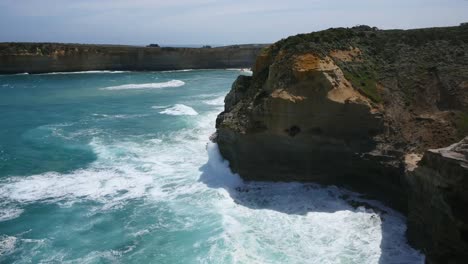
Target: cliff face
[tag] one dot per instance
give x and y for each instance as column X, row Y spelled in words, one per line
column 46, row 57
column 438, row 203
column 352, row 107
column 310, row 126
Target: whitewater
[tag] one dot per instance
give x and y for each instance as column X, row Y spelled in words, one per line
column 118, row 168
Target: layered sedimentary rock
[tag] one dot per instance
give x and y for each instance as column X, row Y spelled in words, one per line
column 438, row 204
column 317, row 127
column 50, row 57
column 353, row 107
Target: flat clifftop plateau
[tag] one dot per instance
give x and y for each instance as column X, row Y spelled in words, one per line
column 355, row 107
column 56, row 57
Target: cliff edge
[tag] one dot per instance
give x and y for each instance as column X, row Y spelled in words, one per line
column 58, row 57
column 353, row 107
column 438, row 203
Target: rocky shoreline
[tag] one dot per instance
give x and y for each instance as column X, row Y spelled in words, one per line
column 437, row 203
column 56, row 57
column 361, row 108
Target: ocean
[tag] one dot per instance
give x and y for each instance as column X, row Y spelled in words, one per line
column 117, row 167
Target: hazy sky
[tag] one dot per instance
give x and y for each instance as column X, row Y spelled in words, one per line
column 210, row 21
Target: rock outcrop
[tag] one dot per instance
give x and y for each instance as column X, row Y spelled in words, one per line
column 438, row 203
column 55, row 57
column 352, row 107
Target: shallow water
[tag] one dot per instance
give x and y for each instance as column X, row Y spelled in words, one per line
column 115, row 167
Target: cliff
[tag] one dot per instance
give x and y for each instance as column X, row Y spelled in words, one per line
column 438, row 203
column 351, row 107
column 54, row 57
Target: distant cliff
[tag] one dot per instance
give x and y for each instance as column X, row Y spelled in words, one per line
column 55, row 57
column 358, row 108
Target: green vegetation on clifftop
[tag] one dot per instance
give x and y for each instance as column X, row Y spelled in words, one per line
column 407, row 55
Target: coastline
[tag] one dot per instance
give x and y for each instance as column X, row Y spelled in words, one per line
column 37, row 58
column 358, row 108
column 242, row 70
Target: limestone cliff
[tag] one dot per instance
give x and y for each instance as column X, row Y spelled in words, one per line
column 438, row 203
column 351, row 107
column 55, row 57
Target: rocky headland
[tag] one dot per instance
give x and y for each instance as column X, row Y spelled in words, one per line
column 57, row 57
column 371, row 110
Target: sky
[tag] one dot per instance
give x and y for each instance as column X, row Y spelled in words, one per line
column 140, row 22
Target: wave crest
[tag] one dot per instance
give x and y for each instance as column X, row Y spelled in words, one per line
column 10, row 213
column 179, row 109
column 7, row 244
column 172, row 83
column 82, row 72
column 219, row 101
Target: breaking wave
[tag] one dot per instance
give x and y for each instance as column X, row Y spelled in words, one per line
column 173, row 83
column 9, row 213
column 185, row 70
column 178, row 109
column 219, row 101
column 159, row 191
column 82, row 72
column 7, row 244
column 121, row 116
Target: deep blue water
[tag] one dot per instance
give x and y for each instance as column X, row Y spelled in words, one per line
column 115, row 167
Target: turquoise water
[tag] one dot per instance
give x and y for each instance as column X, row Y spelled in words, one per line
column 115, row 167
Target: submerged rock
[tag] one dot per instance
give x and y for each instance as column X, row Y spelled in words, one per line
column 352, row 107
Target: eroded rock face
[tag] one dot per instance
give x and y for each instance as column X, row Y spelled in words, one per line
column 57, row 57
column 438, row 204
column 358, row 108
column 305, row 123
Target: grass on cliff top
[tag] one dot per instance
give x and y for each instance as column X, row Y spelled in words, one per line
column 363, row 78
column 362, row 75
column 382, row 44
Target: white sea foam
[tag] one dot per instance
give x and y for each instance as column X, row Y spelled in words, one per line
column 160, row 106
column 173, row 83
column 300, row 223
column 217, row 173
column 7, row 244
column 249, row 222
column 242, row 70
column 124, row 170
column 219, row 101
column 121, row 116
column 82, row 72
column 180, row 109
column 10, row 213
column 184, row 70
column 103, row 185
